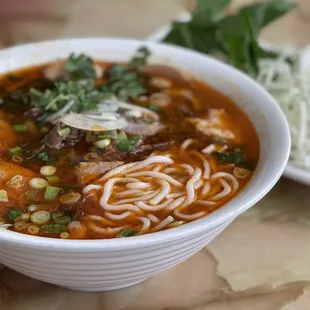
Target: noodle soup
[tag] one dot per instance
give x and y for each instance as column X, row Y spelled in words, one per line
column 94, row 150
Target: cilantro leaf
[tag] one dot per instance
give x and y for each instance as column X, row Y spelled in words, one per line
column 78, row 96
column 13, row 214
column 232, row 156
column 80, row 67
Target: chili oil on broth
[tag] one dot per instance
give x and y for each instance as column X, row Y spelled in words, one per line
column 184, row 169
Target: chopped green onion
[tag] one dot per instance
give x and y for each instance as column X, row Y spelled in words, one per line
column 48, row 170
column 111, row 134
column 61, row 218
column 4, row 196
column 101, row 144
column 51, row 192
column 38, row 183
column 128, row 232
column 70, row 198
column 53, row 229
column 20, row 226
column 129, row 144
column 32, row 229
column 25, row 217
column 17, row 159
column 122, row 136
column 16, row 151
column 20, row 128
column 64, row 132
column 52, row 179
column 40, row 217
column 64, row 235
column 13, row 214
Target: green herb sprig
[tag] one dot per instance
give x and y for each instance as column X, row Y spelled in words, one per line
column 212, row 31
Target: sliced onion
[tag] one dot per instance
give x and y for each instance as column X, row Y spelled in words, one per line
column 83, row 122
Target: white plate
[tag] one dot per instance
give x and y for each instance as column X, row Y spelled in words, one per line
column 292, row 171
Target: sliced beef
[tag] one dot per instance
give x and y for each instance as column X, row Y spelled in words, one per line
column 53, row 139
column 144, row 129
column 218, row 123
column 89, row 171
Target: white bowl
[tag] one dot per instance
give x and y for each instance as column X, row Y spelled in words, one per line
column 102, row 265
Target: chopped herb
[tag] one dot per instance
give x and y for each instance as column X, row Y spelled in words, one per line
column 80, row 67
column 53, row 229
column 52, row 179
column 51, row 192
column 16, row 151
column 64, row 132
column 111, row 134
column 235, row 37
column 13, row 214
column 20, row 128
column 128, row 145
column 4, row 196
column 140, row 58
column 128, row 232
column 233, row 156
column 61, row 218
column 126, row 81
column 154, row 107
column 122, row 136
column 76, row 96
column 43, row 156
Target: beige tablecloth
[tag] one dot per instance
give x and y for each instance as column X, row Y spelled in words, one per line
column 260, row 262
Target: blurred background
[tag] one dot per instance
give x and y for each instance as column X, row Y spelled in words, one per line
column 34, row 20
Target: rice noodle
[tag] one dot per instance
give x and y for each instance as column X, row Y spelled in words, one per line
column 169, row 219
column 226, row 190
column 189, row 217
column 159, row 188
column 153, row 218
column 209, row 149
column 140, row 185
column 161, row 195
column 118, row 217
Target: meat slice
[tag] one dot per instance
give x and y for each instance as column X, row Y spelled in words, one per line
column 144, row 129
column 217, row 123
column 89, row 171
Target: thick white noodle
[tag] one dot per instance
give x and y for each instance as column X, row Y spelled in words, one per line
column 169, row 219
column 188, row 168
column 229, row 177
column 189, row 217
column 153, row 218
column 149, row 161
column 165, row 190
column 158, row 175
column 117, row 217
column 226, row 191
column 137, row 185
column 190, row 186
column 186, row 144
column 146, row 224
column 147, row 196
column 209, row 149
column 147, row 207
